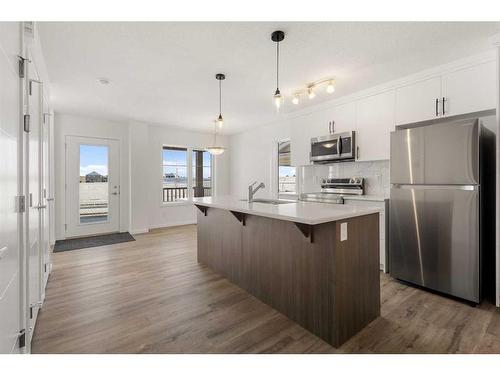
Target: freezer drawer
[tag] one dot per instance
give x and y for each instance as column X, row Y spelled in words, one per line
column 434, row 238
column 445, row 153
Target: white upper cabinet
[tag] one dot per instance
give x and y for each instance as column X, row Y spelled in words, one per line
column 417, row 102
column 344, row 116
column 469, row 90
column 374, row 123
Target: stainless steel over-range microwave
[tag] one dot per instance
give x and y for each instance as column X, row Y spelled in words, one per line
column 333, row 148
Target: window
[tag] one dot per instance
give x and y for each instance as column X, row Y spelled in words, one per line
column 286, row 173
column 175, row 178
column 93, row 187
column 181, row 183
column 202, row 173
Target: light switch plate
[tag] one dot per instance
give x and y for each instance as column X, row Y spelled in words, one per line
column 343, row 231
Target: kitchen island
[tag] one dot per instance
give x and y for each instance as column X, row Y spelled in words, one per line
column 316, row 263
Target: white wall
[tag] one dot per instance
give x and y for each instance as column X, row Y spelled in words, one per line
column 254, row 157
column 146, row 143
column 65, row 125
column 141, row 206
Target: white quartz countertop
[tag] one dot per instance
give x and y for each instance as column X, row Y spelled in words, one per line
column 300, row 212
column 366, row 197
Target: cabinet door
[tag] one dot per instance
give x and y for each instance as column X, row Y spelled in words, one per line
column 344, row 116
column 300, row 139
column 417, row 102
column 469, row 90
column 374, row 123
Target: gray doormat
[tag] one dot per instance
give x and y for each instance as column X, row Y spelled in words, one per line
column 82, row 243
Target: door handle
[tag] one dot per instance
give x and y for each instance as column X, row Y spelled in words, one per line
column 437, row 107
column 39, row 207
column 114, row 193
column 443, row 112
column 50, row 199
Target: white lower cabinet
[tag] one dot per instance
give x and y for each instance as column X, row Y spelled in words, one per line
column 382, row 226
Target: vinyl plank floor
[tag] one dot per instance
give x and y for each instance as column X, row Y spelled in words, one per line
column 151, row 296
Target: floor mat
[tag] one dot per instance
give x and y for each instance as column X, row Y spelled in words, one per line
column 85, row 242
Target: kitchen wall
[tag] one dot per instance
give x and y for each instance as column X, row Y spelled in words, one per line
column 371, row 112
column 375, row 173
column 254, row 157
column 141, row 206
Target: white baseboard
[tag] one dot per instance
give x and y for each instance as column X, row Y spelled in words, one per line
column 173, row 224
column 139, row 231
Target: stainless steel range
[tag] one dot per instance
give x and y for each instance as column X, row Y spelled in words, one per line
column 333, row 190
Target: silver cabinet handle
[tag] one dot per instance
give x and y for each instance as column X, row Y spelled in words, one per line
column 40, row 207
column 114, row 193
column 50, row 199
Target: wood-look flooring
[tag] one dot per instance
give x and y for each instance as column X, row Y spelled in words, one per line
column 151, row 296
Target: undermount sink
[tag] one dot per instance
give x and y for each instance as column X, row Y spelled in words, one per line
column 270, row 201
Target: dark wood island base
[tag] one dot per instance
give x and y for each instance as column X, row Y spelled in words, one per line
column 328, row 286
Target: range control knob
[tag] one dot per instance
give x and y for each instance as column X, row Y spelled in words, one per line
column 358, row 181
column 323, row 181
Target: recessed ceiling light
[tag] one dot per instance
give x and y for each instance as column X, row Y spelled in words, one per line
column 103, row 81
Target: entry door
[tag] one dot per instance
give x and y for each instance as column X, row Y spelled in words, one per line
column 92, row 186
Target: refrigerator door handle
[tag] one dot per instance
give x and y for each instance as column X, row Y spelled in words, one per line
column 436, row 187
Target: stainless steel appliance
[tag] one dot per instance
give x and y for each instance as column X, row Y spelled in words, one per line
column 441, row 206
column 333, row 189
column 333, row 148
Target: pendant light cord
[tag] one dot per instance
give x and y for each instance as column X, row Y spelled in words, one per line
column 277, row 65
column 220, row 97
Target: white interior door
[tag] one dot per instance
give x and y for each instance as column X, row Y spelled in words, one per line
column 92, row 186
column 10, row 249
column 34, row 197
column 45, row 222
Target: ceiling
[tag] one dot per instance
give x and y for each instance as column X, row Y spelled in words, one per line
column 164, row 72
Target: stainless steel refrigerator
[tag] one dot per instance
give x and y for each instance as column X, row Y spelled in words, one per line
column 442, row 207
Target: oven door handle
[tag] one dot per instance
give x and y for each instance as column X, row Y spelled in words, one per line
column 339, row 145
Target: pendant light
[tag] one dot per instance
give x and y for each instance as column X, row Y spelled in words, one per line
column 215, row 150
column 220, row 121
column 277, row 37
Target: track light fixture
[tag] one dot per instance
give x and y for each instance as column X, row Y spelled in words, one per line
column 310, row 90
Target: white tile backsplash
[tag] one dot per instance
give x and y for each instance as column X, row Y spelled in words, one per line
column 375, row 173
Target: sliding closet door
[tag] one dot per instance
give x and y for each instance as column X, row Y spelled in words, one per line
column 10, row 88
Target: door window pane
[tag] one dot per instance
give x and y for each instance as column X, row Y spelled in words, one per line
column 93, row 183
column 201, row 173
column 175, row 174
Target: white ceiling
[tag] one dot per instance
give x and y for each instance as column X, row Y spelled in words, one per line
column 164, row 72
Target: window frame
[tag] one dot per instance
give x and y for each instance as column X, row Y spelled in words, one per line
column 278, row 191
column 189, row 167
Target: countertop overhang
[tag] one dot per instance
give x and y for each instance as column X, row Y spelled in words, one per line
column 299, row 212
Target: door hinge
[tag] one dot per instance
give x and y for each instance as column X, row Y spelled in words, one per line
column 22, row 338
column 22, row 66
column 20, row 204
column 27, row 123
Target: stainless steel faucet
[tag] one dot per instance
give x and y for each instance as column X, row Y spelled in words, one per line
column 252, row 191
